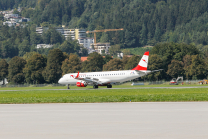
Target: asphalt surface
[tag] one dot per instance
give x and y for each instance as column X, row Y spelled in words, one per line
column 154, row 120
column 174, row 87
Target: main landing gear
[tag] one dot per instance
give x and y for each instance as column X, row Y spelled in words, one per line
column 68, row 87
column 109, row 86
column 95, row 86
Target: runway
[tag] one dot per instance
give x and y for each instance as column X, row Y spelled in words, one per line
column 105, row 120
column 175, row 87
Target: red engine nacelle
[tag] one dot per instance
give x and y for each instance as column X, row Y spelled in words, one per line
column 81, row 84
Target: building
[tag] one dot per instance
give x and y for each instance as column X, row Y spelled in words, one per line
column 7, row 16
column 10, row 23
column 24, row 20
column 69, row 33
column 72, row 33
column 44, row 46
column 86, row 42
column 80, row 33
column 99, row 47
column 84, row 58
column 40, row 30
column 120, row 55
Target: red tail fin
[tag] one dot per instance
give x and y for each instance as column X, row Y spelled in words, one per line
column 143, row 62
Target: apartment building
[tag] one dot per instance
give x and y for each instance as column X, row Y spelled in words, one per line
column 73, row 33
column 86, row 42
column 44, row 46
column 10, row 23
column 7, row 16
column 101, row 46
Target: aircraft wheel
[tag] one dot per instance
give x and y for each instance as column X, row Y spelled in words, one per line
column 68, row 87
column 95, row 86
column 109, row 86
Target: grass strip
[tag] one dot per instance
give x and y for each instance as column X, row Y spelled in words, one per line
column 111, row 95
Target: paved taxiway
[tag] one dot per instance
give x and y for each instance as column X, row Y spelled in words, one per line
column 165, row 120
column 175, row 87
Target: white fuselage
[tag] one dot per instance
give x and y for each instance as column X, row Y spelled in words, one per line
column 106, row 77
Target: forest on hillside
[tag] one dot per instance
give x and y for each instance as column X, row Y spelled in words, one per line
column 145, row 22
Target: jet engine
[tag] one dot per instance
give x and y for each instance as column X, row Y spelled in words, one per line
column 81, row 84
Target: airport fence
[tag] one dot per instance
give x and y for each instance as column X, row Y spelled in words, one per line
column 185, row 82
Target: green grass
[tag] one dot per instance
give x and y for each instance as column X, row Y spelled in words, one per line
column 103, row 95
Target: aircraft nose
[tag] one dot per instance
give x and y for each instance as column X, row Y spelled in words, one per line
column 60, row 81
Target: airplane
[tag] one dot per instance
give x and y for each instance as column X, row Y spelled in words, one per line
column 107, row 78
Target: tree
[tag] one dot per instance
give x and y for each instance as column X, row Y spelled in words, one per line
column 126, row 52
column 55, row 37
column 15, row 69
column 157, row 33
column 84, row 52
column 34, row 68
column 143, row 36
column 53, row 72
column 132, row 62
column 8, row 50
column 125, row 60
column 129, row 40
column 107, row 58
column 28, row 55
column 113, row 64
column 35, row 38
column 114, row 49
column 197, row 67
column 104, row 38
column 94, row 63
column 175, row 69
column 15, row 11
column 24, row 47
column 187, row 60
column 116, row 39
column 155, row 63
column 3, row 70
column 69, row 46
column 46, row 37
column 72, row 64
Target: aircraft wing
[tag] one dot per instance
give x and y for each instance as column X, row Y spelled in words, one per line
column 95, row 80
column 92, row 80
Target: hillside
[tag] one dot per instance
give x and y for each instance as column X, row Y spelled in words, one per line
column 145, row 22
